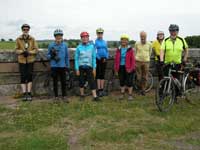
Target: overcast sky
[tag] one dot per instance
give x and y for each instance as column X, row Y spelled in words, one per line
column 115, row 16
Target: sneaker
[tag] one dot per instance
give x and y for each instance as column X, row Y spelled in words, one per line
column 29, row 97
column 96, row 99
column 24, row 98
column 143, row 93
column 130, row 97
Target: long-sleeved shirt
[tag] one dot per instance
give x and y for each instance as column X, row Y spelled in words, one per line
column 102, row 49
column 85, row 55
column 62, row 54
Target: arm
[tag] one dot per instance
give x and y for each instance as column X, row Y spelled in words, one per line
column 185, row 51
column 17, row 49
column 107, row 50
column 67, row 57
column 49, row 52
column 76, row 60
column 162, row 52
column 35, row 48
column 94, row 59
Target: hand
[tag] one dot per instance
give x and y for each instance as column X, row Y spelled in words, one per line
column 53, row 53
column 25, row 53
column 78, row 73
column 94, row 73
column 184, row 62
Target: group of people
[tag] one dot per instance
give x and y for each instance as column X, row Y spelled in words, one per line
column 90, row 60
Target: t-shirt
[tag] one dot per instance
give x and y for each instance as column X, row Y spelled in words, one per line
column 143, row 51
column 156, row 46
column 123, row 56
column 173, row 50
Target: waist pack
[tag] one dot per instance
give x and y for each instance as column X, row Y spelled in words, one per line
column 195, row 74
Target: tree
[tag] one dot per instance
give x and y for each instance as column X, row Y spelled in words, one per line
column 3, row 40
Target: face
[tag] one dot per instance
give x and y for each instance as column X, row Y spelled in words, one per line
column 124, row 42
column 85, row 39
column 160, row 36
column 100, row 35
column 173, row 34
column 58, row 38
column 143, row 37
column 25, row 31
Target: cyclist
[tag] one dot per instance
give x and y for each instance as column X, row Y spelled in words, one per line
column 102, row 56
column 156, row 46
column 59, row 61
column 143, row 54
column 171, row 51
column 125, row 66
column 26, row 49
column 85, row 65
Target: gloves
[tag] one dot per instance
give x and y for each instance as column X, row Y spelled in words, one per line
column 25, row 53
column 161, row 63
column 183, row 63
column 53, row 53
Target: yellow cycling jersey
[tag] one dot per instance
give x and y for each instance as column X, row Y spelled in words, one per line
column 173, row 50
column 156, row 46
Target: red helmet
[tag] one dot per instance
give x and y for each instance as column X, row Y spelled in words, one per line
column 84, row 34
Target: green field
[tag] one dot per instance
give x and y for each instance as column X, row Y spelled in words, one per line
column 107, row 125
column 7, row 45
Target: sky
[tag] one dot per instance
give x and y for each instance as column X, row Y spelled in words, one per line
column 116, row 17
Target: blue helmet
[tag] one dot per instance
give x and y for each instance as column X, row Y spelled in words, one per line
column 58, row 32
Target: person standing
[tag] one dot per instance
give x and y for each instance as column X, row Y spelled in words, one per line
column 59, row 60
column 143, row 54
column 124, row 66
column 102, row 56
column 85, row 65
column 26, row 49
column 156, row 47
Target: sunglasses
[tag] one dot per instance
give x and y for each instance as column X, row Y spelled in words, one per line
column 25, row 30
column 99, row 32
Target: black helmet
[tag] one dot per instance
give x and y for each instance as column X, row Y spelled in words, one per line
column 173, row 27
column 25, row 25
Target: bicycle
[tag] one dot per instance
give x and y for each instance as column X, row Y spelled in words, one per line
column 149, row 86
column 170, row 87
column 43, row 83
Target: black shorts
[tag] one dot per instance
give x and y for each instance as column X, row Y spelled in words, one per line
column 101, row 69
column 26, row 72
column 125, row 78
column 86, row 74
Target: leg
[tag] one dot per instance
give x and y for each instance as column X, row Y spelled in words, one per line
column 55, row 81
column 81, row 81
column 63, row 81
column 145, row 71
column 122, row 74
column 138, row 74
column 22, row 69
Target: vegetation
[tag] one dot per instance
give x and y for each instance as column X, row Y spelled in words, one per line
column 111, row 124
column 193, row 41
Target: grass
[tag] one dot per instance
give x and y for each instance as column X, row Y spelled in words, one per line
column 7, row 45
column 44, row 125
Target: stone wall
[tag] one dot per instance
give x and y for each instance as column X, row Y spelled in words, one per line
column 9, row 71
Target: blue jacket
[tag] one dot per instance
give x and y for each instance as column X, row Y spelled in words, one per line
column 85, row 55
column 62, row 52
column 102, row 49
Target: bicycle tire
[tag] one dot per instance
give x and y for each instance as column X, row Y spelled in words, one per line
column 161, row 95
column 149, row 83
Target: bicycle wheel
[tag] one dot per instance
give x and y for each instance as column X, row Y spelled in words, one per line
column 112, row 83
column 191, row 91
column 43, row 85
column 136, row 84
column 165, row 95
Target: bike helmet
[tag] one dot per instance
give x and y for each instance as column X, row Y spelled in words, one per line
column 99, row 30
column 124, row 36
column 58, row 32
column 25, row 26
column 83, row 34
column 173, row 27
column 160, row 32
